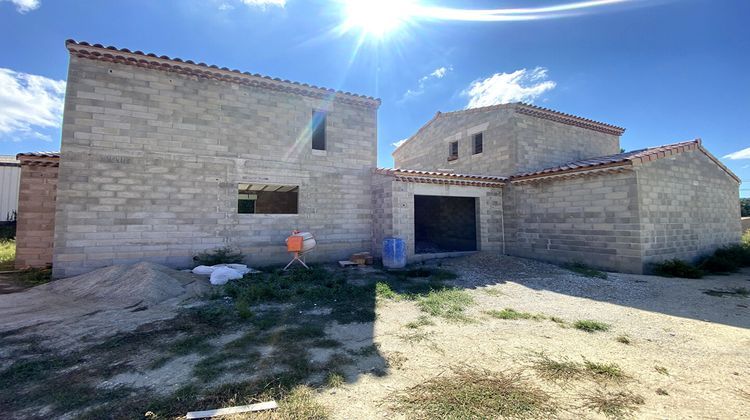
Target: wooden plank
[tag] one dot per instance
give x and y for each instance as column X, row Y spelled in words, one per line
column 347, row 263
column 269, row 405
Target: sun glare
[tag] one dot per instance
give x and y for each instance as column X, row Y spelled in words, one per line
column 376, row 18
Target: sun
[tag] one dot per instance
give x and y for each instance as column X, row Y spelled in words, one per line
column 376, row 18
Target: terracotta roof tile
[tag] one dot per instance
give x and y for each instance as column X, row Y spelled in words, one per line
column 52, row 155
column 533, row 110
column 622, row 159
column 176, row 64
column 432, row 177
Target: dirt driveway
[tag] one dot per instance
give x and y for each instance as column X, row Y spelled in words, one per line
column 362, row 343
column 686, row 352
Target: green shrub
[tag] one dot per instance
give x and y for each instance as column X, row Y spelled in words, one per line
column 224, row 255
column 7, row 254
column 677, row 268
column 720, row 264
column 739, row 254
column 8, row 230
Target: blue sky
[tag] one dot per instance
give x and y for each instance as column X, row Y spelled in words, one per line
column 666, row 70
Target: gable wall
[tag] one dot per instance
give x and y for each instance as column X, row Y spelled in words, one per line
column 512, row 143
column 151, row 162
column 689, row 207
column 543, row 143
column 428, row 150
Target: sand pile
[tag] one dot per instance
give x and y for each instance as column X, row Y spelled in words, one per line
column 143, row 283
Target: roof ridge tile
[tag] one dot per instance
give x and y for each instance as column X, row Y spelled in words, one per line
column 72, row 45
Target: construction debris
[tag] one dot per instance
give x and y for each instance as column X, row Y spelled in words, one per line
column 361, row 258
column 269, row 405
column 346, row 263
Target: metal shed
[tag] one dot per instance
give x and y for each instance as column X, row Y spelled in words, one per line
column 10, row 177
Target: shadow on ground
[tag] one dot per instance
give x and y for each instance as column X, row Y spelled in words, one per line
column 712, row 298
column 276, row 335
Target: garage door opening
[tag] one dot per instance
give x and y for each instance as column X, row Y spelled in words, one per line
column 444, row 224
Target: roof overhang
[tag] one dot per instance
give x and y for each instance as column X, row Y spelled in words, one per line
column 206, row 71
column 430, row 177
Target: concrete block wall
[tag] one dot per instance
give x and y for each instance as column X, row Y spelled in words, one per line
column 688, row 207
column 382, row 211
column 541, row 143
column 428, row 149
column 398, row 219
column 512, row 142
column 591, row 219
column 153, row 159
column 35, row 226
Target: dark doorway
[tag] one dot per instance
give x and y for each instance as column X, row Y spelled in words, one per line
column 444, row 224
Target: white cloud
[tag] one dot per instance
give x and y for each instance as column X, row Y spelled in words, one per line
column 396, row 144
column 520, row 86
column 24, row 6
column 438, row 73
column 265, row 3
column 29, row 102
column 740, row 154
column 225, row 6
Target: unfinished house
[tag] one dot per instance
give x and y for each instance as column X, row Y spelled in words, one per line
column 163, row 158
column 568, row 194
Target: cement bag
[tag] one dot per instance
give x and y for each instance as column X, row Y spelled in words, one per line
column 203, row 270
column 222, row 275
column 242, row 268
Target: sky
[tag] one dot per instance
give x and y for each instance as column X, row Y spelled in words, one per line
column 666, row 70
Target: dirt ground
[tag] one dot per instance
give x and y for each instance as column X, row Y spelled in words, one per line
column 703, row 341
column 686, row 352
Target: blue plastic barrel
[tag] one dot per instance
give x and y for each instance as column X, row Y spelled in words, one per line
column 394, row 253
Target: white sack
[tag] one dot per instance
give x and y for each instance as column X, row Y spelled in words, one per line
column 221, row 275
column 204, row 270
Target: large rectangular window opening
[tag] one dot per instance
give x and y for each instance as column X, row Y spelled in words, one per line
column 318, row 130
column 444, row 224
column 267, row 199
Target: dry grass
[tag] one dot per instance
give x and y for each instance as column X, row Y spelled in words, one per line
column 422, row 321
column 335, row 380
column 449, row 304
column 474, row 393
column 566, row 370
column 624, row 339
column 616, row 405
column 512, row 314
column 300, row 404
column 556, row 370
column 590, row 326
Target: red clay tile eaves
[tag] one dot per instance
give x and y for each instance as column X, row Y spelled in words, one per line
column 39, row 158
column 569, row 119
column 532, row 110
column 188, row 67
column 431, row 177
column 52, row 155
column 635, row 157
